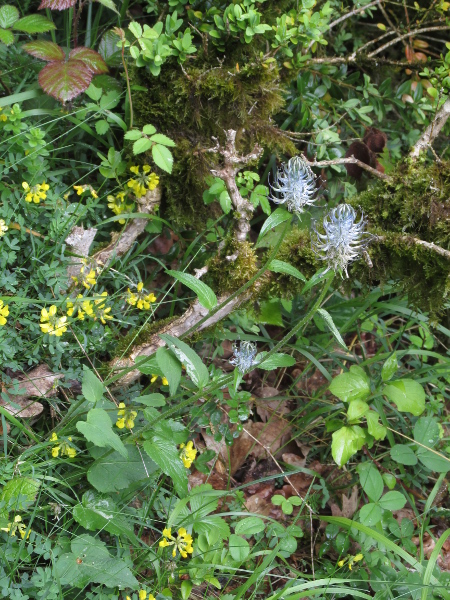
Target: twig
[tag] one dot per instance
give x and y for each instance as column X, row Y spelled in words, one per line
column 407, row 35
column 350, row 160
column 432, row 131
column 413, row 240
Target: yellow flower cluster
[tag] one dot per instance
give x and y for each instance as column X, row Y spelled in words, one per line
column 36, row 193
column 351, row 560
column 182, row 542
column 143, row 596
column 4, row 312
column 15, row 526
column 87, row 276
column 140, row 299
column 142, row 182
column 164, row 380
column 63, row 448
column 118, row 205
column 3, row 227
column 3, row 117
column 80, row 189
column 126, row 417
column 188, row 454
column 52, row 324
column 95, row 310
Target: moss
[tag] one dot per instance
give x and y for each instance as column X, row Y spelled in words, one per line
column 228, row 276
column 143, row 335
column 207, row 98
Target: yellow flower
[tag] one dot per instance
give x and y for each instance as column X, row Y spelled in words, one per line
column 154, row 377
column 52, row 324
column 36, row 193
column 4, row 312
column 188, row 454
column 140, row 299
column 126, row 417
column 341, row 563
column 80, row 189
column 87, row 276
column 142, row 594
column 118, row 205
column 182, row 541
column 165, row 381
column 99, row 309
column 3, row 117
column 144, row 181
column 63, row 447
column 15, row 526
column 3, row 227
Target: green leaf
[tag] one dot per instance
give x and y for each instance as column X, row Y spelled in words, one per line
column 91, row 387
column 148, row 129
column 133, row 134
column 6, row 37
column 20, row 486
column 374, row 426
column 432, row 461
column 407, row 394
column 160, row 138
column 92, row 59
column 101, row 126
column 346, row 442
column 171, row 367
column 249, row 526
column 280, row 215
column 356, row 410
column 353, row 385
column 332, row 327
column 34, row 24
column 163, row 157
column 153, row 400
column 135, row 29
column 370, row 514
column 276, row 360
column 389, row 368
column 403, row 455
column 65, row 80
column 205, row 294
column 279, row 266
column 195, row 368
column 109, row 4
column 98, row 430
column 94, row 92
column 165, row 454
column 112, row 472
column 186, row 588
column 8, row 16
column 239, row 548
column 97, row 512
column 392, row 501
column 90, row 562
column 141, row 145
column 427, row 431
column 45, row 50
column 371, row 480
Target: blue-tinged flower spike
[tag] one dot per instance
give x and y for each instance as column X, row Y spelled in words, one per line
column 344, row 240
column 295, row 185
column 244, row 356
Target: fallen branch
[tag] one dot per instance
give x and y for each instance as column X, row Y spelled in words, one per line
column 350, row 160
column 432, row 131
column 417, row 242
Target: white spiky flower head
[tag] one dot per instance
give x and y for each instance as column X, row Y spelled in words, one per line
column 344, row 238
column 295, row 185
column 244, row 356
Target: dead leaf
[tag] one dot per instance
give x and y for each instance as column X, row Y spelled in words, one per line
column 294, row 460
column 349, row 505
column 270, row 436
column 268, row 408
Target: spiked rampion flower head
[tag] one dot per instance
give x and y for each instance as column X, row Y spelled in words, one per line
column 295, row 185
column 344, row 240
column 244, row 356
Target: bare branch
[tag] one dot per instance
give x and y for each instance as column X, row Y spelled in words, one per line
column 417, row 242
column 432, row 131
column 350, row 160
column 407, row 35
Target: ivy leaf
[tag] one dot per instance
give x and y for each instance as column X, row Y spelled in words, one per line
column 57, row 4
column 353, row 385
column 92, row 59
column 8, row 16
column 34, row 24
column 44, row 50
column 112, row 472
column 346, row 442
column 165, row 454
column 205, row 294
column 65, row 80
column 407, row 394
column 162, row 157
column 98, row 430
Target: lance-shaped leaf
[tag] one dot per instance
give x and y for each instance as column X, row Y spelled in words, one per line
column 45, row 50
column 57, row 4
column 34, row 24
column 90, row 58
column 65, row 80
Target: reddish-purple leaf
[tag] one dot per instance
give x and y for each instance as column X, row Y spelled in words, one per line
column 91, row 59
column 44, row 50
column 57, row 4
column 65, row 80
